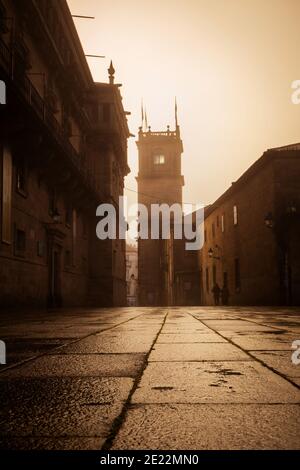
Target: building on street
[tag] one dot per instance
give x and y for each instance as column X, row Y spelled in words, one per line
column 252, row 235
column 63, row 151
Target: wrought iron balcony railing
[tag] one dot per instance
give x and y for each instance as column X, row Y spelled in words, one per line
column 39, row 105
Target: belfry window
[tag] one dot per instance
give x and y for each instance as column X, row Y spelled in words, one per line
column 159, row 159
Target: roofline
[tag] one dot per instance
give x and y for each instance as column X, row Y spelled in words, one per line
column 77, row 43
column 265, row 159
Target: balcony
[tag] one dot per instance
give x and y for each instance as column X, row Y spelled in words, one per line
column 32, row 97
column 150, row 134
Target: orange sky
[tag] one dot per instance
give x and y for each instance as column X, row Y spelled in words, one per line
column 229, row 62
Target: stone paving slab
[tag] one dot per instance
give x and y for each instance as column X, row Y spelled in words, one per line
column 202, row 427
column 280, row 361
column 190, row 338
column 196, row 352
column 64, row 406
column 213, row 382
column 96, row 365
column 236, row 325
column 262, row 342
column 197, row 329
column 54, row 443
column 111, row 342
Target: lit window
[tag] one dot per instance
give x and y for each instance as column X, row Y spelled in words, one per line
column 159, row 159
column 235, row 215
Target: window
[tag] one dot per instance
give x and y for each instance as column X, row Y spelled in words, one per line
column 74, row 235
column 207, row 280
column 237, row 274
column 205, row 236
column 6, row 196
column 21, row 178
column 213, row 230
column 235, row 215
column 67, row 258
column 52, row 201
column 20, row 242
column 218, row 221
column 40, row 248
column 84, row 227
column 159, row 159
column 223, row 223
column 69, row 216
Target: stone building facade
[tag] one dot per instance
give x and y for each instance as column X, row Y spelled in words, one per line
column 168, row 273
column 63, row 151
column 132, row 275
column 252, row 235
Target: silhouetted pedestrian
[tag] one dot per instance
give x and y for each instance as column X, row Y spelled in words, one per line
column 216, row 291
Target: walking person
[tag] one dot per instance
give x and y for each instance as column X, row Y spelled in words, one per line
column 216, row 292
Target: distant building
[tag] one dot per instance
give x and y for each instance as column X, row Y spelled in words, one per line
column 168, row 274
column 252, row 235
column 132, row 275
column 63, row 151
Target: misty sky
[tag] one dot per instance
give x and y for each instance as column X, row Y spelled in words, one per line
column 229, row 62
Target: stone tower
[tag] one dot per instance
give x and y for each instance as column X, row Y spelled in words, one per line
column 159, row 181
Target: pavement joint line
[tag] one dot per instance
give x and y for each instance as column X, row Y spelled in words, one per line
column 99, row 354
column 196, row 342
column 254, row 357
column 204, row 360
column 120, row 419
column 244, row 320
column 69, row 376
column 263, row 324
column 212, row 403
column 32, row 358
column 51, row 436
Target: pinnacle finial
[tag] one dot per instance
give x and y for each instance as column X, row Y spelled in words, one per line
column 111, row 73
column 176, row 118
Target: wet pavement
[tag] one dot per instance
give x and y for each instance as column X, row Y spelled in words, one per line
column 150, row 378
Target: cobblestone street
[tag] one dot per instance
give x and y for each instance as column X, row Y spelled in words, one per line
column 151, row 378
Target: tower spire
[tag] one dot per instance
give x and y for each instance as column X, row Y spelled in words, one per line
column 111, row 73
column 142, row 114
column 176, row 119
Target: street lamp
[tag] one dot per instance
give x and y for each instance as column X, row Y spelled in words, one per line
column 211, row 254
column 269, row 220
